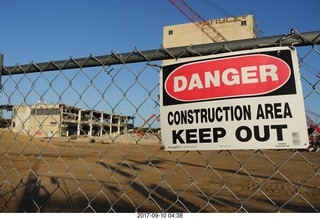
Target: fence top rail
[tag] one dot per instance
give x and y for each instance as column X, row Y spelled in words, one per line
column 293, row 38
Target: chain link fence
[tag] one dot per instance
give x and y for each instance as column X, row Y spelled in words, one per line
column 83, row 135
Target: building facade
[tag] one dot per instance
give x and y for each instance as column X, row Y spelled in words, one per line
column 60, row 120
column 232, row 28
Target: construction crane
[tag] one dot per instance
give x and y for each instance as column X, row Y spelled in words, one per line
column 195, row 18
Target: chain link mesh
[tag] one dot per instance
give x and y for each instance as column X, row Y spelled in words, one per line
column 86, row 156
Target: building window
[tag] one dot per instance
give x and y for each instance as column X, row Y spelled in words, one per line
column 45, row 111
column 170, row 32
column 243, row 23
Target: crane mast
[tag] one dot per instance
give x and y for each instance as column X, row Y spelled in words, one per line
column 196, row 19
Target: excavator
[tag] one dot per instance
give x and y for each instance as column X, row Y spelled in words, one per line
column 313, row 131
column 138, row 130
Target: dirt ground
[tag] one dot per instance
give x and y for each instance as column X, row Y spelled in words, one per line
column 135, row 175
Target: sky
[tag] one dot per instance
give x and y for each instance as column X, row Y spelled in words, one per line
column 40, row 31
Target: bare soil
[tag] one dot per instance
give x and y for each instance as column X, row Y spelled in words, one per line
column 135, row 175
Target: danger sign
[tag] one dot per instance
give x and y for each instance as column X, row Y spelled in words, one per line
column 242, row 100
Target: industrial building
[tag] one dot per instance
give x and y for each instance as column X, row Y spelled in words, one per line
column 232, row 28
column 60, row 120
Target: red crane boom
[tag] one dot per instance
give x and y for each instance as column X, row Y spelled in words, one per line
column 201, row 23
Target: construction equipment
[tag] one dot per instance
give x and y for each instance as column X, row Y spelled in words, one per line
column 146, row 121
column 311, row 124
column 195, row 18
column 313, row 131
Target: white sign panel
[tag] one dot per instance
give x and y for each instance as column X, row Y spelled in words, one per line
column 241, row 100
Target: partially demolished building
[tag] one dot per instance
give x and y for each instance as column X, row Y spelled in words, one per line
column 60, row 120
